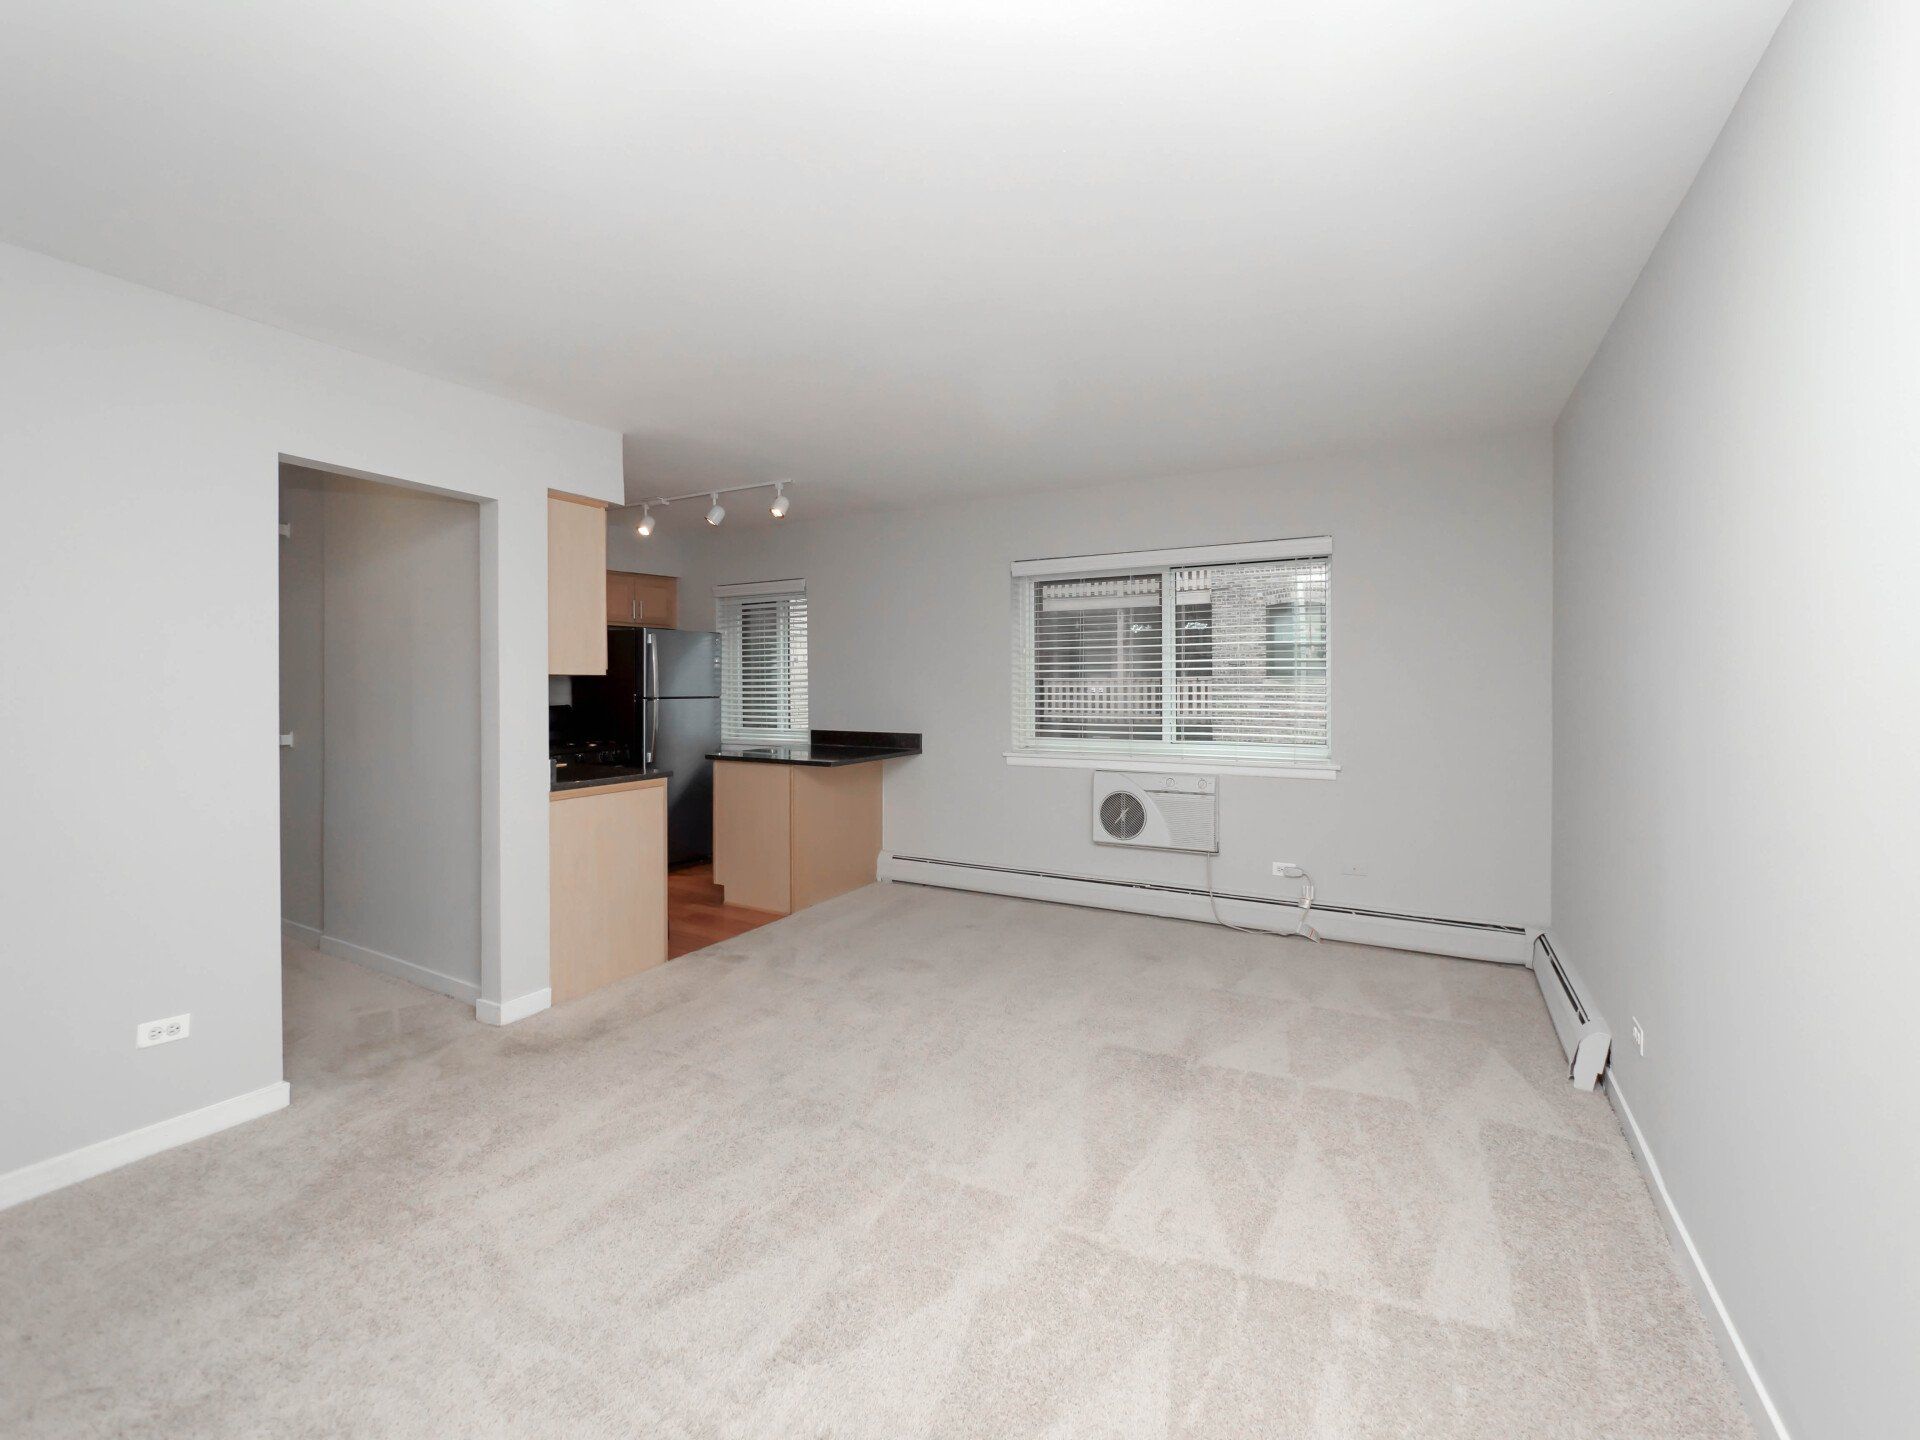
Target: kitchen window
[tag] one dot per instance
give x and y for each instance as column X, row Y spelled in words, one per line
column 763, row 663
column 1206, row 658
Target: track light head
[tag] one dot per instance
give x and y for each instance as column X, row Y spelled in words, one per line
column 717, row 513
column 645, row 527
column 780, row 502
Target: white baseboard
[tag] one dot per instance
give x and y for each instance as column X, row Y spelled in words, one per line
column 1506, row 944
column 307, row 935
column 520, row 1007
column 1753, row 1390
column 45, row 1176
column 399, row 969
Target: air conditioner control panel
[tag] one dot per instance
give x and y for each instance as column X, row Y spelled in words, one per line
column 1177, row 784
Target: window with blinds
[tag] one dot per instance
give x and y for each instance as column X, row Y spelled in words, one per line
column 763, row 663
column 1218, row 658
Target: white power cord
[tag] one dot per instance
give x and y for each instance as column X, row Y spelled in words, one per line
column 1303, row 929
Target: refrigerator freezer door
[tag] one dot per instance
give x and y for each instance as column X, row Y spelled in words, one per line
column 682, row 733
column 680, row 663
column 624, row 657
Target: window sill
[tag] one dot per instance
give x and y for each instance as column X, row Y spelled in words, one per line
column 1160, row 764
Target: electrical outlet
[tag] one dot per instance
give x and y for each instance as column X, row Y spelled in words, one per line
column 1287, row 870
column 159, row 1032
column 1639, row 1037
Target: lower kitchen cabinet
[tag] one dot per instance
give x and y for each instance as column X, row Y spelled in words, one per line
column 609, row 884
column 789, row 836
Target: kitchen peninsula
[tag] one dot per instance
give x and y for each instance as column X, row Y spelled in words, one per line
column 797, row 824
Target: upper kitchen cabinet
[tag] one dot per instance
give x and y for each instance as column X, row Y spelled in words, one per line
column 643, row 600
column 576, row 563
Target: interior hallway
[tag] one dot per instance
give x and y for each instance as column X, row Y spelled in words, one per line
column 911, row 1163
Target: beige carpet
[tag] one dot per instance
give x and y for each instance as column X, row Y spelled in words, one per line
column 913, row 1163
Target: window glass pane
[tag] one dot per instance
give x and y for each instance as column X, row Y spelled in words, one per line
column 763, row 680
column 1193, row 666
column 1096, row 658
column 1268, row 686
column 1296, row 640
column 763, row 684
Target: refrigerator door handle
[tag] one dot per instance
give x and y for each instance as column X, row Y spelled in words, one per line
column 653, row 668
column 653, row 733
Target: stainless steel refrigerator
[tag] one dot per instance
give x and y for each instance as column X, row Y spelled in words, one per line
column 660, row 702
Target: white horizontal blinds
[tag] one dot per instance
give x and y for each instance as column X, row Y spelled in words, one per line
column 763, row 667
column 1097, row 671
column 1244, row 675
column 1253, row 672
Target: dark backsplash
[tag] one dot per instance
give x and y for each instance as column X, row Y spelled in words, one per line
column 567, row 739
column 868, row 739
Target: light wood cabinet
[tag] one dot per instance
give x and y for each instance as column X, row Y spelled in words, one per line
column 789, row 836
column 608, row 860
column 752, row 834
column 576, row 561
column 634, row 599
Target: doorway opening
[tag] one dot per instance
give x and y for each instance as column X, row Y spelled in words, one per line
column 381, row 797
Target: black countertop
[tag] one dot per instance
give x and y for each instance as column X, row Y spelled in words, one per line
column 829, row 747
column 579, row 775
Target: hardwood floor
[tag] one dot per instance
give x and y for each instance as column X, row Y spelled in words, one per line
column 697, row 912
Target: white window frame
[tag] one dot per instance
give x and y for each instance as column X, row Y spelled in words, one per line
column 730, row 663
column 1120, row 754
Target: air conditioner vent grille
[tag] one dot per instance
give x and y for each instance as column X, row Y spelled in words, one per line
column 1155, row 812
column 1122, row 815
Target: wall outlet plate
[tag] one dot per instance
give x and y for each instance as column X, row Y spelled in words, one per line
column 1639, row 1037
column 159, row 1032
column 1287, row 870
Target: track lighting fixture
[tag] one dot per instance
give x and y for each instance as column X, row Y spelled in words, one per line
column 716, row 512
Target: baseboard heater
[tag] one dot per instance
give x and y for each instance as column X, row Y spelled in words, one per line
column 1583, row 1034
column 1467, row 939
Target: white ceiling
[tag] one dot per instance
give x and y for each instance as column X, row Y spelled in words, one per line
column 896, row 249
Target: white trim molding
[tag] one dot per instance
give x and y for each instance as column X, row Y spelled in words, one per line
column 505, row 1012
column 1161, row 765
column 398, row 969
column 1468, row 940
column 760, row 587
column 43, row 1177
column 306, row 935
column 1753, row 1390
column 1309, row 547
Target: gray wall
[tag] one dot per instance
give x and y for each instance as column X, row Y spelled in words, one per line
column 396, row 830
column 1737, row 685
column 139, row 774
column 1441, row 667
column 676, row 547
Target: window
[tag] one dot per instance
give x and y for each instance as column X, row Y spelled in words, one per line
column 763, row 662
column 1244, row 679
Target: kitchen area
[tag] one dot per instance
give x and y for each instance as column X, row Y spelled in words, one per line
column 672, row 829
